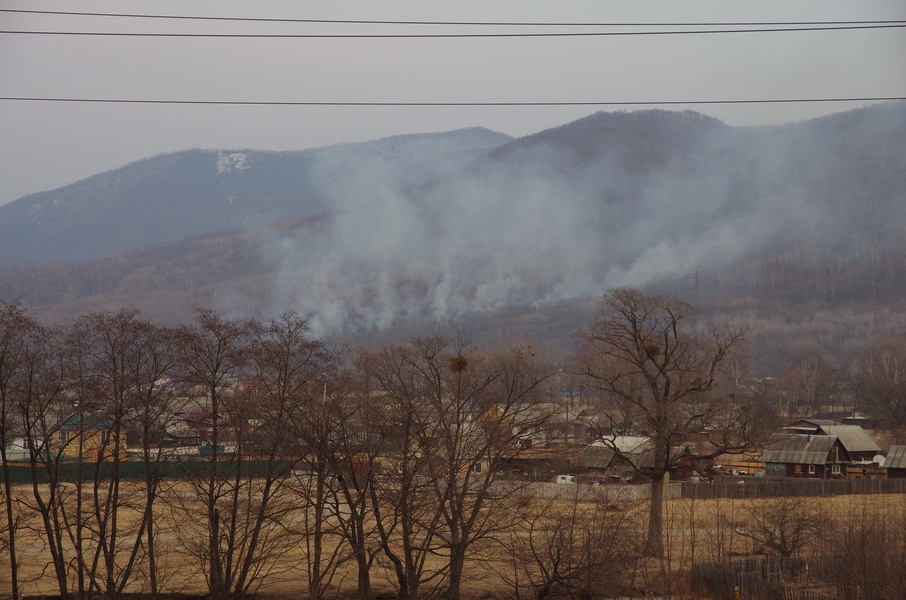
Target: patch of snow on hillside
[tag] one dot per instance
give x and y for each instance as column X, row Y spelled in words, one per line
column 236, row 161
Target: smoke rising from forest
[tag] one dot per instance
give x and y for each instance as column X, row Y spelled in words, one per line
column 545, row 221
column 486, row 235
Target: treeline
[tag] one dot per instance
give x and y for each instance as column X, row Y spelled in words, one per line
column 314, row 460
column 190, row 268
column 318, row 465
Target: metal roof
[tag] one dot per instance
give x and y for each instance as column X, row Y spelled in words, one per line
column 596, row 456
column 853, row 438
column 812, row 425
column 819, row 422
column 798, row 449
column 896, row 458
column 86, row 422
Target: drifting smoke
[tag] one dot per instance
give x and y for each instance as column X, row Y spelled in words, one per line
column 541, row 220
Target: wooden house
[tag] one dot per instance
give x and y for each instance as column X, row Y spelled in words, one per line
column 859, row 445
column 554, row 424
column 595, row 460
column 805, row 456
column 895, row 462
column 91, row 436
column 539, row 463
column 623, row 457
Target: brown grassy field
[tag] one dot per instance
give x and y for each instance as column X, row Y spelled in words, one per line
column 697, row 531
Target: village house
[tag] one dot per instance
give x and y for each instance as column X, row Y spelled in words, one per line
column 858, row 443
column 823, row 448
column 17, row 449
column 90, row 436
column 895, row 462
column 805, row 456
column 612, row 460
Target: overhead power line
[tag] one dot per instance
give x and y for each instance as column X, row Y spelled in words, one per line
column 441, row 104
column 677, row 28
column 455, row 23
column 447, row 35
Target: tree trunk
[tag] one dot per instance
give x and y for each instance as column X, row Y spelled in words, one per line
column 315, row 574
column 152, row 475
column 457, row 565
column 364, row 579
column 152, row 559
column 361, row 555
column 398, row 568
column 10, row 521
column 654, row 543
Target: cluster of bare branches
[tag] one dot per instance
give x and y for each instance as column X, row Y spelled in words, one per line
column 656, row 376
column 249, row 452
column 574, row 548
column 302, row 459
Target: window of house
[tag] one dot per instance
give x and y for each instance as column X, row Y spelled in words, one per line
column 835, row 469
column 476, row 468
column 797, row 468
column 811, row 469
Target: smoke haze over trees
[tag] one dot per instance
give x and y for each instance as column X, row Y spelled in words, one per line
column 762, row 224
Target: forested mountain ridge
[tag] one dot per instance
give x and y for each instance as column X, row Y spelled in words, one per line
column 763, row 226
column 174, row 196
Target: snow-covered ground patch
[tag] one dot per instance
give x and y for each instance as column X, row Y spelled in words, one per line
column 235, row 161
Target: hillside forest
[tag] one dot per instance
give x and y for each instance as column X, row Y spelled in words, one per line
column 792, row 233
column 248, row 454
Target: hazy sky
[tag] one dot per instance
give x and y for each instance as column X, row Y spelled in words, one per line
column 44, row 145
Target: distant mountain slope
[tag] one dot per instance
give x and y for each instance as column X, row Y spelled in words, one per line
column 637, row 141
column 777, row 223
column 165, row 280
column 173, row 196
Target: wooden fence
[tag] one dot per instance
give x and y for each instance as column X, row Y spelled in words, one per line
column 72, row 470
column 766, row 487
column 772, row 578
column 749, row 487
column 549, row 490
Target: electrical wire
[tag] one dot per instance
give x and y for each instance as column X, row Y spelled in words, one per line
column 751, row 27
column 442, row 35
column 456, row 23
column 446, row 104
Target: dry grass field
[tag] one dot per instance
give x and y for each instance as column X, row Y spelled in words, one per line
column 697, row 531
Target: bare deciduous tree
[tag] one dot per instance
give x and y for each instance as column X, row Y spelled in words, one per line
column 407, row 515
column 290, row 372
column 807, row 383
column 16, row 322
column 880, row 377
column 461, row 414
column 357, row 462
column 117, row 362
column 153, row 402
column 657, row 379
column 40, row 403
column 490, row 401
column 863, row 549
column 781, row 526
column 236, row 536
column 573, row 547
